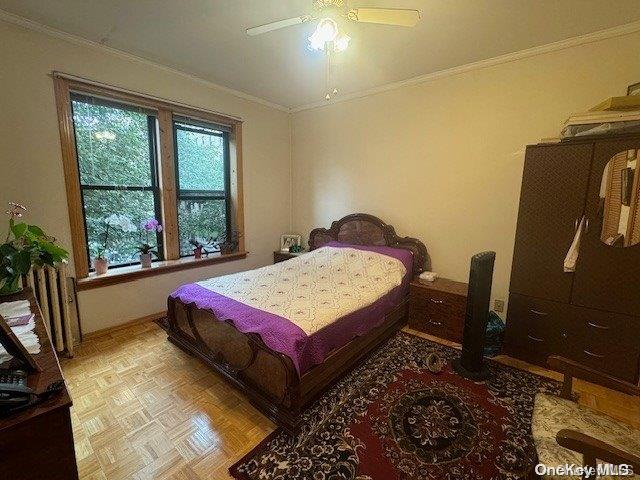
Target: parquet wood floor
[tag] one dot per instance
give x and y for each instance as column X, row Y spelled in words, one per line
column 143, row 409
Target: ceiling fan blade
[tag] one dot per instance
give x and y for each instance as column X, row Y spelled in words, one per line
column 385, row 16
column 279, row 24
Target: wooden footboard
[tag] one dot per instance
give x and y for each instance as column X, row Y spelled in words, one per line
column 268, row 378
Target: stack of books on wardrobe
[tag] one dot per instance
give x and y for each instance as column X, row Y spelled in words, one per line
column 614, row 115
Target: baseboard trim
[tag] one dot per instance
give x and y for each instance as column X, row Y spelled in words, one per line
column 135, row 321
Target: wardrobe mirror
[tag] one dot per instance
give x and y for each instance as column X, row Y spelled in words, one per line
column 619, row 201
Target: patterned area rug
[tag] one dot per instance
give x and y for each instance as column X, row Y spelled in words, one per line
column 393, row 419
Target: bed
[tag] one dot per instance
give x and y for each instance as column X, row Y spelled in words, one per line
column 285, row 333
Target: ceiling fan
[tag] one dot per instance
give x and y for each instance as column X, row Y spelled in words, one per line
column 384, row 16
column 328, row 38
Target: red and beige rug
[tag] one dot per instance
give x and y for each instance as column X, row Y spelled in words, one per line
column 392, row 419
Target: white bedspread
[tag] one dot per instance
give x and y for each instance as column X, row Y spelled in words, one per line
column 316, row 288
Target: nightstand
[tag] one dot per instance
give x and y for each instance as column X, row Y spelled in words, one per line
column 438, row 308
column 279, row 256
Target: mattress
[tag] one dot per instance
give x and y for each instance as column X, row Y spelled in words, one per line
column 310, row 305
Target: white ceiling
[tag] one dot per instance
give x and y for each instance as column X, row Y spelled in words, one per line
column 207, row 38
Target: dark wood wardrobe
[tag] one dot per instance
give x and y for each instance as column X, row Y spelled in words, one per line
column 591, row 315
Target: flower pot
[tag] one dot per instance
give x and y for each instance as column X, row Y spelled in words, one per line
column 101, row 265
column 145, row 260
column 11, row 286
column 197, row 253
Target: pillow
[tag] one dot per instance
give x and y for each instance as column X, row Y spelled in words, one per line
column 402, row 254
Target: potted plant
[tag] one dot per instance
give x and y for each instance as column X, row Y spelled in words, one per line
column 198, row 247
column 100, row 261
column 145, row 249
column 228, row 243
column 25, row 246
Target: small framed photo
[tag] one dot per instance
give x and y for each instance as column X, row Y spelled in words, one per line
column 288, row 240
column 633, row 89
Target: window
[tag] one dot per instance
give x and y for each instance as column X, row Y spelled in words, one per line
column 142, row 157
column 116, row 152
column 202, row 159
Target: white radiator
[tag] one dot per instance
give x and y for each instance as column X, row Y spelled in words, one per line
column 56, row 295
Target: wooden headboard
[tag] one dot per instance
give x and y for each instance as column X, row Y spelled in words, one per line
column 365, row 229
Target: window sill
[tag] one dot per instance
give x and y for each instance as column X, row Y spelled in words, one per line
column 135, row 272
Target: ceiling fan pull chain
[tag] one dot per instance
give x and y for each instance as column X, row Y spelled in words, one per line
column 330, row 79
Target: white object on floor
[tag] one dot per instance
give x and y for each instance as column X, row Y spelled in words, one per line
column 574, row 250
column 428, row 276
column 15, row 309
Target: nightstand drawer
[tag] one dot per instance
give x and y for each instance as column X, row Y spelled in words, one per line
column 282, row 256
column 438, row 312
column 439, row 302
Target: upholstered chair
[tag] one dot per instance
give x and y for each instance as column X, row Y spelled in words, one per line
column 566, row 433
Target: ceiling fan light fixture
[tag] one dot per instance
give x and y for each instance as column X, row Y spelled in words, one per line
column 326, row 32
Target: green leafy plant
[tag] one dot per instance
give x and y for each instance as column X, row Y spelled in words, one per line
column 25, row 246
column 228, row 243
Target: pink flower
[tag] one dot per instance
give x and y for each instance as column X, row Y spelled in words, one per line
column 15, row 210
column 151, row 225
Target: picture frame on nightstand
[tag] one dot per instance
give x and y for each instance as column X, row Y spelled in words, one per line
column 290, row 240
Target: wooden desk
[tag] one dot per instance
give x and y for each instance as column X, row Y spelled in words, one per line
column 37, row 443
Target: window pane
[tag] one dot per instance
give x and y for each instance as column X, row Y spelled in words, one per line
column 112, row 145
column 99, row 204
column 200, row 159
column 200, row 219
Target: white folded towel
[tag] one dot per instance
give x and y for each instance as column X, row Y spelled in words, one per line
column 574, row 250
column 15, row 309
column 26, row 336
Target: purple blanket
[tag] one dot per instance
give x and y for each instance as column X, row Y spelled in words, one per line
column 285, row 337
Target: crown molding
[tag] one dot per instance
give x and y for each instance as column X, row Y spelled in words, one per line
column 597, row 36
column 75, row 39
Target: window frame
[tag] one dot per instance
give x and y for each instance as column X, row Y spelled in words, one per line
column 154, row 188
column 165, row 173
column 204, row 194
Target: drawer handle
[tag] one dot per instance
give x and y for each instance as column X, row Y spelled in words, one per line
column 433, row 322
column 591, row 354
column 537, row 312
column 436, row 301
column 535, row 339
column 601, row 327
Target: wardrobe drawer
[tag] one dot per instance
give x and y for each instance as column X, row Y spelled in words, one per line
column 608, row 327
column 607, row 343
column 537, row 328
column 615, row 359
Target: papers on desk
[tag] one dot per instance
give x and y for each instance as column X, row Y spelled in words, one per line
column 19, row 317
column 15, row 309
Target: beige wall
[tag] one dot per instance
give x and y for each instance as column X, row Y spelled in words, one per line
column 31, row 165
column 443, row 160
